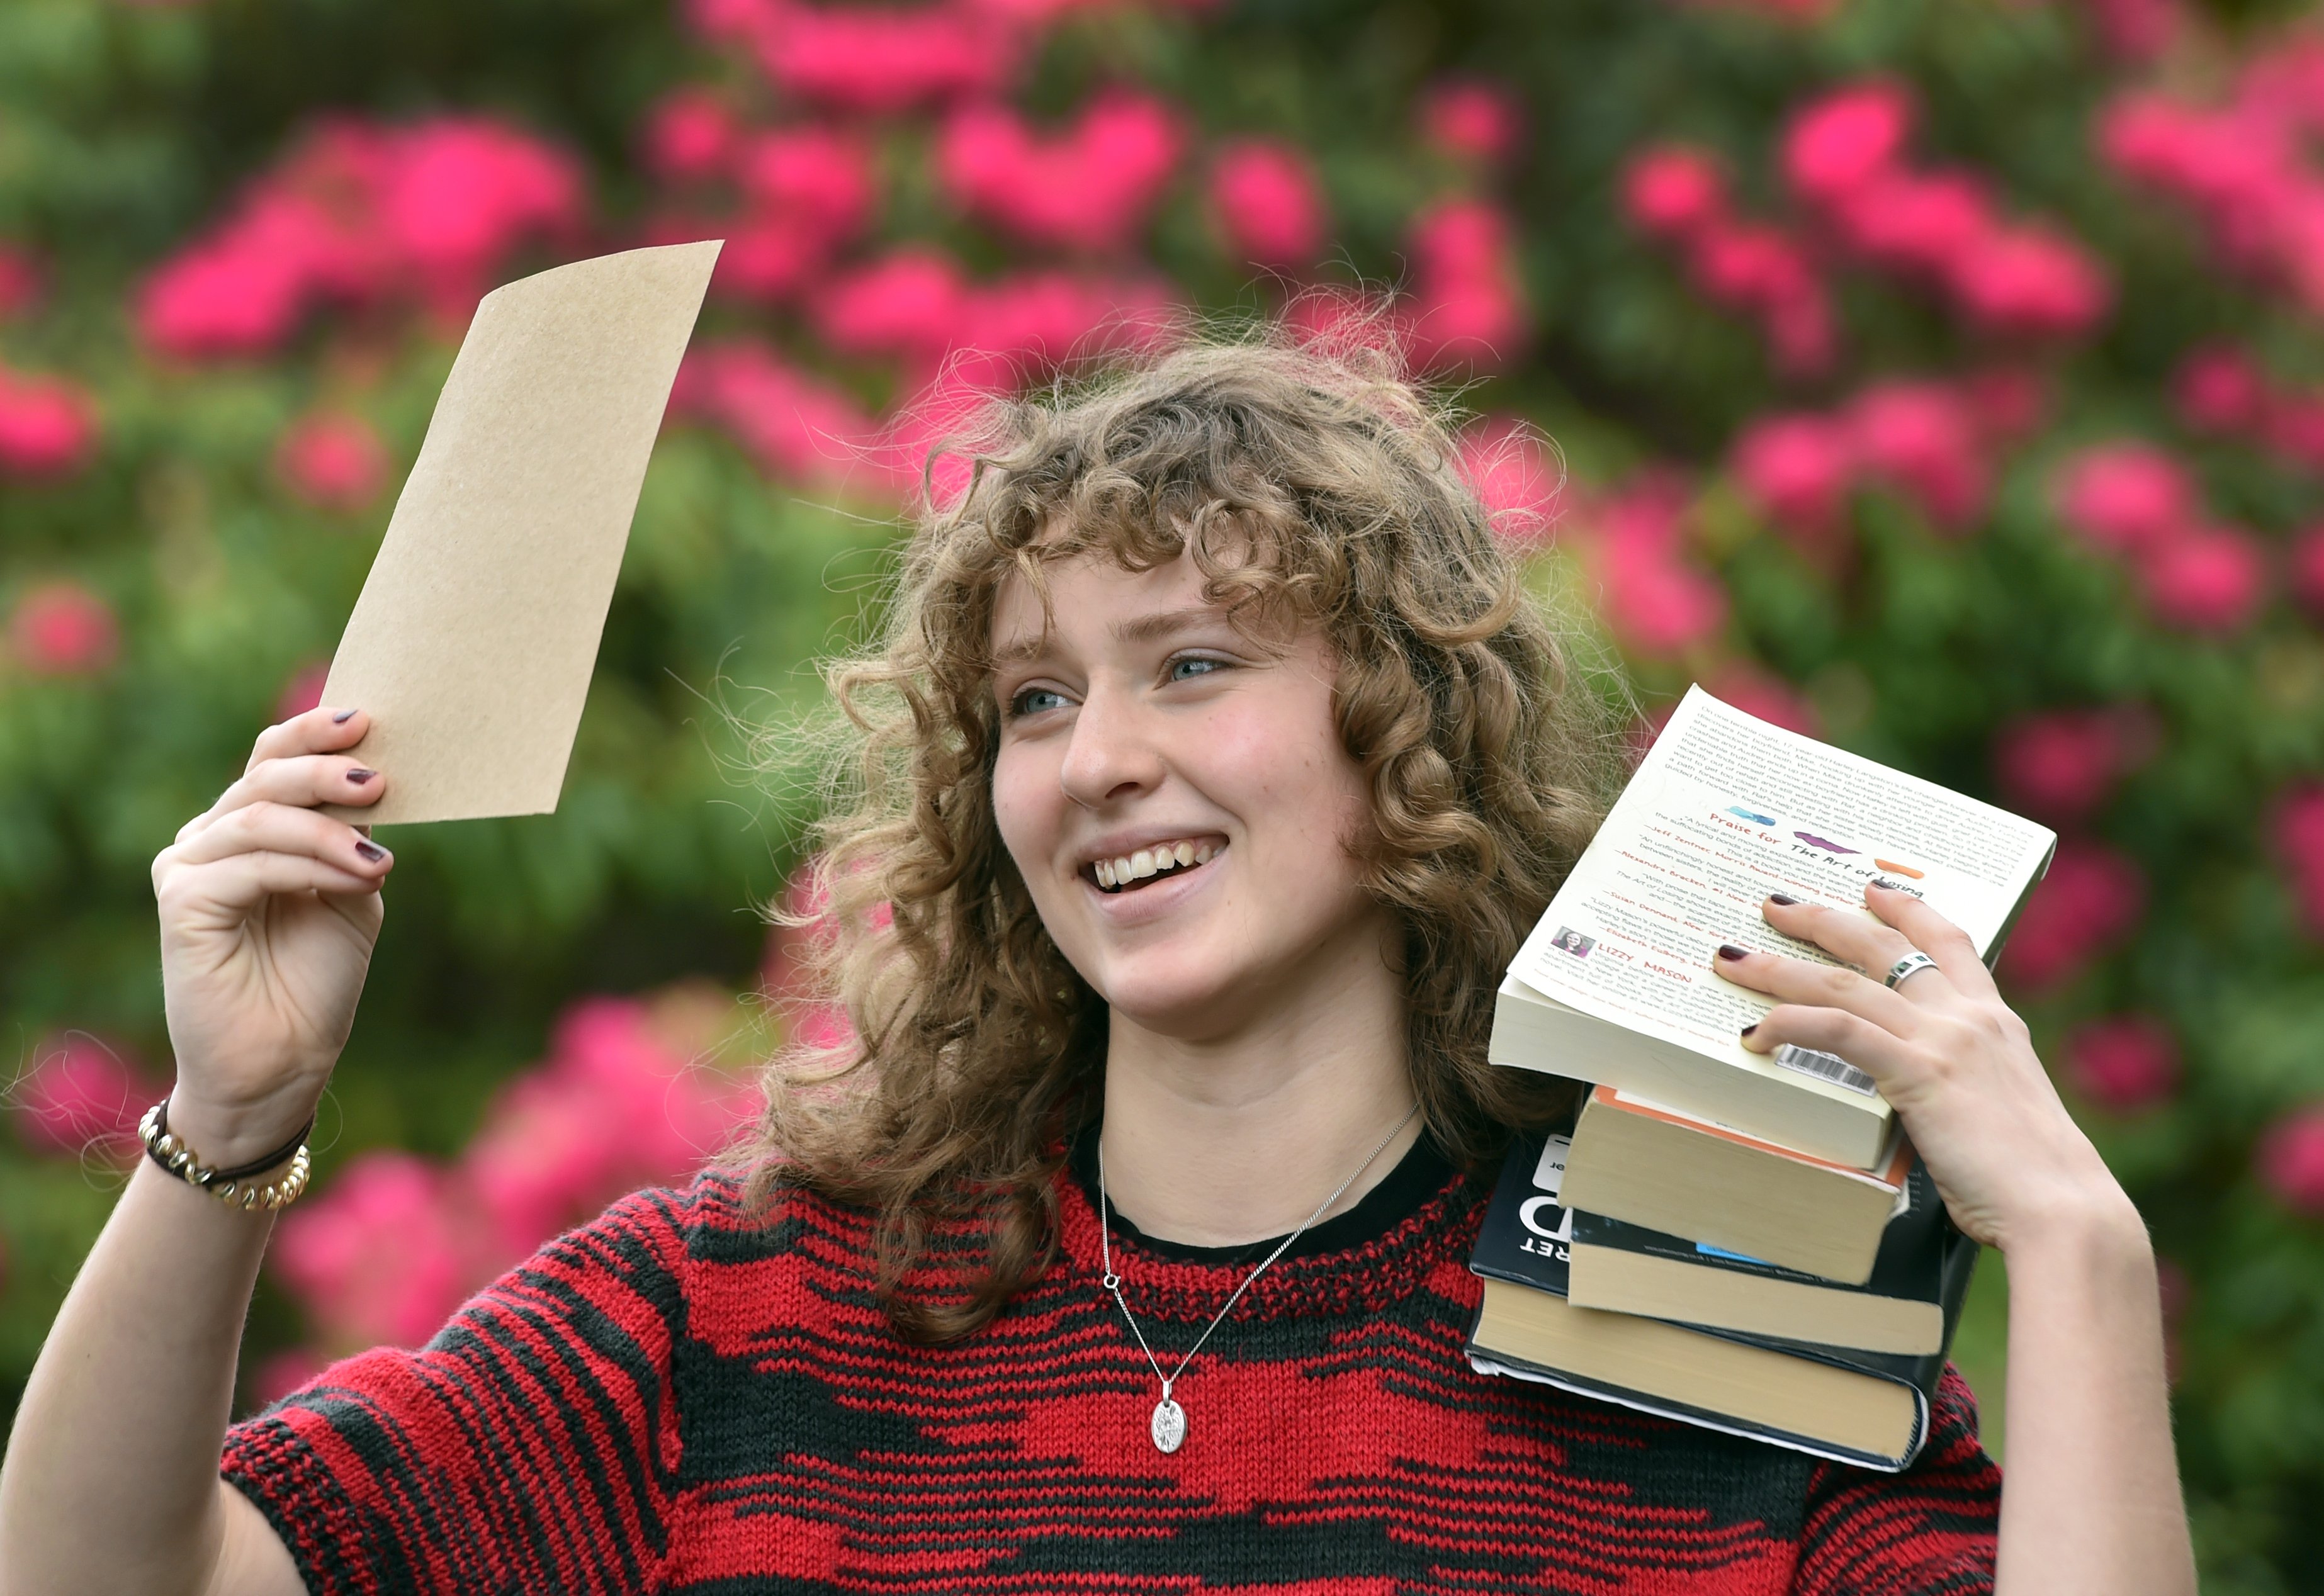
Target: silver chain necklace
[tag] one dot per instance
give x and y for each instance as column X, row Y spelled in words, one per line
column 1168, row 1427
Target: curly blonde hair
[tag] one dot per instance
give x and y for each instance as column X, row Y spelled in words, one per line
column 1309, row 483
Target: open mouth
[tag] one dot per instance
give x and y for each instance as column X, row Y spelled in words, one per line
column 1146, row 866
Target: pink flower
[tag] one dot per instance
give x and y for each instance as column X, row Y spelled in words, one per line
column 1837, row 144
column 1802, row 333
column 2211, row 581
column 1090, row 188
column 2243, row 168
column 1673, row 191
column 1268, row 203
column 2305, row 569
column 794, row 424
column 1468, row 305
column 908, row 303
column 1473, row 119
column 689, row 137
column 1920, row 439
column 462, row 191
column 332, row 460
column 881, row 59
column 2289, row 1160
column 2061, row 765
column 1514, row 477
column 356, row 214
column 48, row 428
column 2293, row 427
column 1755, row 267
column 303, row 690
column 1796, row 470
column 1654, row 604
column 1039, row 319
column 1915, row 222
column 20, row 282
column 2127, row 497
column 2124, row 1063
column 814, row 179
column 2031, row 279
column 612, row 1108
column 62, row 629
column 2010, row 402
column 221, row 298
column 2090, row 902
column 378, row 1255
column 78, row 1090
column 767, row 259
column 1749, row 265
column 2219, row 389
column 2137, row 30
column 1770, row 698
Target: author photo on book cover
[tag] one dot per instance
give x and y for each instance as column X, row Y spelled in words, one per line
column 999, row 796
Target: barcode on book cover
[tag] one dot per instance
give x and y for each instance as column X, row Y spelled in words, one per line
column 1828, row 1067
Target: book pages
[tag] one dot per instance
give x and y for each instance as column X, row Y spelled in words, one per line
column 1724, row 810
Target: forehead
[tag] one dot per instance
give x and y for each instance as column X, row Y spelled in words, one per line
column 1093, row 593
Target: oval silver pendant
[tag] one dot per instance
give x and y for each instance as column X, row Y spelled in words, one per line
column 1170, row 1426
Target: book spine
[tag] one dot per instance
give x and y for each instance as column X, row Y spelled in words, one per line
column 1486, row 1362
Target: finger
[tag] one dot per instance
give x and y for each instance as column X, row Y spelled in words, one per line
column 1798, row 981
column 286, row 829
column 1872, row 946
column 241, row 881
column 299, row 780
column 1887, row 1057
column 1936, row 936
column 317, row 730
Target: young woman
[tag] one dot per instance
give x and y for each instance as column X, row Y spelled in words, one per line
column 1212, row 770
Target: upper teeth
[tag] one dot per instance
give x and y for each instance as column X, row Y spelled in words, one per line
column 1147, row 862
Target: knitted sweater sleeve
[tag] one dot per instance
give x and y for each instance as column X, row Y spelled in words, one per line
column 1928, row 1531
column 532, row 1446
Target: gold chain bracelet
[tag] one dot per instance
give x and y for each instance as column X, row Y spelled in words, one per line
column 236, row 1188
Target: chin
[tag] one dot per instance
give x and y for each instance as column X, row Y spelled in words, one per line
column 1188, row 1000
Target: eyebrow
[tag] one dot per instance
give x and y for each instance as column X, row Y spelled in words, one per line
column 1139, row 629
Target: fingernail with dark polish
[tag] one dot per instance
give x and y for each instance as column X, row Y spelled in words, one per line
column 371, row 850
column 360, row 777
column 1727, row 950
column 1886, row 885
column 1750, row 1027
column 343, row 717
column 1785, row 898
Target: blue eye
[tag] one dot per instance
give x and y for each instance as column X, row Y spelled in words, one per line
column 1035, row 701
column 1180, row 670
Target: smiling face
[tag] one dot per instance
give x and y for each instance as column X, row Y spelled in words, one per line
column 1177, row 799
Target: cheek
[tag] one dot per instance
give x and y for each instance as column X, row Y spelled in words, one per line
column 1026, row 822
column 1286, row 770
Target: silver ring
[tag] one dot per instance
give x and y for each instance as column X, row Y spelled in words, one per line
column 1911, row 965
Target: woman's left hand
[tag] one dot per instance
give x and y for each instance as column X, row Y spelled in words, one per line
column 1955, row 1061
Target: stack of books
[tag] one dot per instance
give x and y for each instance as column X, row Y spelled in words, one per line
column 1741, row 1240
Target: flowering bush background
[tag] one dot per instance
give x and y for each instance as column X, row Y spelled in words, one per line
column 1944, row 377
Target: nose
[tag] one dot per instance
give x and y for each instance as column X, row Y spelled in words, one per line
column 1112, row 754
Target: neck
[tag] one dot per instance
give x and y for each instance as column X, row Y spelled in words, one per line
column 1226, row 1140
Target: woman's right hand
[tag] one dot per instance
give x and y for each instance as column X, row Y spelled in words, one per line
column 269, row 915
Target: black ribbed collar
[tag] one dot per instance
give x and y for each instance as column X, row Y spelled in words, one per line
column 1418, row 1175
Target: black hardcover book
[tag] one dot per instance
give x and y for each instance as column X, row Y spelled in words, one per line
column 1867, row 1409
column 1908, row 1306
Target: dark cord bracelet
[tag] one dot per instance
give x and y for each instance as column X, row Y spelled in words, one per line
column 172, row 1154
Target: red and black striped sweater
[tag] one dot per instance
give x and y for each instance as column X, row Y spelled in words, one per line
column 674, row 1399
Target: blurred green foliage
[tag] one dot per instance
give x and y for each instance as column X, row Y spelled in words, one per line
column 124, row 128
